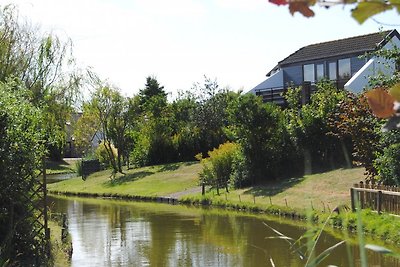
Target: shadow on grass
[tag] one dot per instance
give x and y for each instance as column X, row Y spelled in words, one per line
column 128, row 178
column 174, row 166
column 273, row 188
column 60, row 166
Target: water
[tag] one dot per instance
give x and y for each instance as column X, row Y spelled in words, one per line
column 118, row 233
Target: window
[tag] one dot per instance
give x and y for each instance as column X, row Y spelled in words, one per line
column 320, row 71
column 344, row 68
column 332, row 71
column 309, row 73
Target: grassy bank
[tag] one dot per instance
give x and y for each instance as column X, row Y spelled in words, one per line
column 323, row 191
column 161, row 180
column 61, row 167
column 61, row 250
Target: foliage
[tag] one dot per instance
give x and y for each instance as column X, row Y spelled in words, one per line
column 85, row 129
column 211, row 115
column 114, row 114
column 354, row 121
column 21, row 153
column 186, row 137
column 218, row 167
column 259, row 131
column 45, row 65
column 152, row 88
column 387, row 163
column 362, row 11
column 308, row 127
column 102, row 154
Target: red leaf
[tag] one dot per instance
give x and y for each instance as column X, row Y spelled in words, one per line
column 381, row 103
column 302, row 7
column 278, row 2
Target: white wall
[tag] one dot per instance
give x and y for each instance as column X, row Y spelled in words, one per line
column 372, row 68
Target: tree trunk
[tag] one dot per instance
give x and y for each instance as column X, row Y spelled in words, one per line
column 349, row 165
column 307, row 161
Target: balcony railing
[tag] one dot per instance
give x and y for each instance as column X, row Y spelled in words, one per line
column 275, row 94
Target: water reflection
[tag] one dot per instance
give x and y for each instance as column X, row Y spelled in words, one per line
column 116, row 233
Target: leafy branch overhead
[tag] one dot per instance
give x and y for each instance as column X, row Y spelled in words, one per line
column 361, row 12
column 385, row 104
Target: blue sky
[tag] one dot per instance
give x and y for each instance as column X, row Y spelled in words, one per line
column 178, row 41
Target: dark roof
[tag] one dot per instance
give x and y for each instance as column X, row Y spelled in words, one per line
column 352, row 45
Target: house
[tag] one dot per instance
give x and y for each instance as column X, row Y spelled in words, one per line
column 341, row 61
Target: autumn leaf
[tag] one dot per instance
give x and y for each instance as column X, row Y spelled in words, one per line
column 367, row 9
column 302, row 7
column 279, row 2
column 395, row 92
column 381, row 103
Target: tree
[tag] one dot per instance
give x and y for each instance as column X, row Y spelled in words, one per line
column 112, row 111
column 22, row 149
column 258, row 129
column 211, row 116
column 46, row 67
column 186, row 135
column 152, row 88
column 309, row 127
column 354, row 120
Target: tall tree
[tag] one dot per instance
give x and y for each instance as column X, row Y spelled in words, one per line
column 259, row 130
column 45, row 65
column 113, row 114
column 152, row 88
column 21, row 153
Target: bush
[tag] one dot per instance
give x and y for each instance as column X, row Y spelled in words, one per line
column 217, row 168
column 102, row 155
column 387, row 163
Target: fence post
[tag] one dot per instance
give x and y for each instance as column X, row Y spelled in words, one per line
column 352, row 196
column 361, row 195
column 379, row 202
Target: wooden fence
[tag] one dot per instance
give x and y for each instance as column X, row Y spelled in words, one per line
column 376, row 197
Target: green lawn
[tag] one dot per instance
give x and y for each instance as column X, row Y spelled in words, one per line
column 322, row 191
column 63, row 166
column 160, row 180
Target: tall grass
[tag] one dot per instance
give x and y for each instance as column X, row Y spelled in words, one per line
column 305, row 245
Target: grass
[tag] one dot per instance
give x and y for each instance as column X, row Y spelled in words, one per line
column 323, row 191
column 160, row 180
column 61, row 167
column 60, row 250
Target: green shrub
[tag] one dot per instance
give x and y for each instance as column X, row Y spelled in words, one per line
column 218, row 167
column 387, row 163
column 102, row 155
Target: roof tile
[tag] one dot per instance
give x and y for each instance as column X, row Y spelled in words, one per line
column 357, row 44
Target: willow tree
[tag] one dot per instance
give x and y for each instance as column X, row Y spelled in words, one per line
column 45, row 65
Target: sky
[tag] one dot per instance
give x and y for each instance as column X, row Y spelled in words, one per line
column 235, row 42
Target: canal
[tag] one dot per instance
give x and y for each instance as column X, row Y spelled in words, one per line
column 120, row 233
